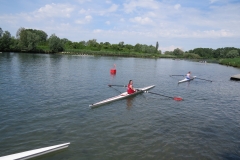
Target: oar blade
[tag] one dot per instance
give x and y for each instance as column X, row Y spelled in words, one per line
column 177, row 98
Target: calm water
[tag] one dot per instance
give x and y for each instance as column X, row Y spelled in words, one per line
column 44, row 101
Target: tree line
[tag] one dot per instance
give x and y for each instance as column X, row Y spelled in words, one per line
column 32, row 40
column 207, row 53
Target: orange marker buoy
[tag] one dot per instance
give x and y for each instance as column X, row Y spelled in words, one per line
column 113, row 70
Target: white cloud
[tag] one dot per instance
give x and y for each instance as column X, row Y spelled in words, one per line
column 108, row 22
column 133, row 4
column 177, row 6
column 82, row 11
column 83, row 1
column 113, row 8
column 97, row 31
column 108, row 1
column 54, row 10
column 213, row 1
column 141, row 20
column 86, row 19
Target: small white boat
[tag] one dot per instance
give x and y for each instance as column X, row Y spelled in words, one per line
column 34, row 153
column 121, row 96
column 187, row 80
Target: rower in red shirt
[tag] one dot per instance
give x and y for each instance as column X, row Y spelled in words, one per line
column 130, row 88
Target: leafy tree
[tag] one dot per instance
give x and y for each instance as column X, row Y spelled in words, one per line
column 55, row 44
column 82, row 45
column 1, row 32
column 168, row 52
column 232, row 54
column 92, row 43
column 114, row 47
column 23, row 39
column 203, row 52
column 157, row 46
column 32, row 41
column 178, row 52
column 137, row 48
column 129, row 46
column 151, row 49
column 106, row 46
column 30, row 38
column 64, row 41
column 5, row 41
column 19, row 32
column 159, row 51
column 14, row 44
column 121, row 44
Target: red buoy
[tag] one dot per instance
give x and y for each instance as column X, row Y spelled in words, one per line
column 113, row 70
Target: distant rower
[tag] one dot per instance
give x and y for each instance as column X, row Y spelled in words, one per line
column 188, row 76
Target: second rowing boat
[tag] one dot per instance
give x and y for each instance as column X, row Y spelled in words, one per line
column 121, row 96
column 187, row 80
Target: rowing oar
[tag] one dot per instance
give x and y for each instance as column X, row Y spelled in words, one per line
column 174, row 98
column 110, row 85
column 204, row 79
column 176, row 75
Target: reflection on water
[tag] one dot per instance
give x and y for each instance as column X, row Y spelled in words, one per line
column 129, row 102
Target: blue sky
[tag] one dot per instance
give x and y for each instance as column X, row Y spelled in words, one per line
column 184, row 24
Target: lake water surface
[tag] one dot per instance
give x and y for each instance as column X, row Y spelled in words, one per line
column 44, row 101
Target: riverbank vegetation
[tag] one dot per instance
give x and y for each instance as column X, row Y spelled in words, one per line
column 37, row 41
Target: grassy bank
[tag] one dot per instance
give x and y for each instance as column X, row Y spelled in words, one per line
column 112, row 53
column 235, row 62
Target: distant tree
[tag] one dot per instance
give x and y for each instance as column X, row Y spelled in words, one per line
column 137, row 48
column 64, row 41
column 232, row 54
column 19, row 32
column 121, row 44
column 91, row 43
column 129, row 46
column 32, row 41
column 55, row 44
column 106, row 46
column 168, row 52
column 178, row 52
column 157, row 46
column 159, row 51
column 144, row 48
column 30, row 38
column 1, row 32
column 82, row 45
column 5, row 41
column 114, row 47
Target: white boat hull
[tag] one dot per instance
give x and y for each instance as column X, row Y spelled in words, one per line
column 121, row 96
column 34, row 153
column 187, row 80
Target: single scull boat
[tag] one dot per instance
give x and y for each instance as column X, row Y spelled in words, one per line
column 121, row 96
column 34, row 153
column 187, row 80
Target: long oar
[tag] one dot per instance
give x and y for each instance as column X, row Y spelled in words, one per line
column 110, row 85
column 204, row 79
column 176, row 75
column 174, row 98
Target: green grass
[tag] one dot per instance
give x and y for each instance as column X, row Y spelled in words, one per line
column 235, row 62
